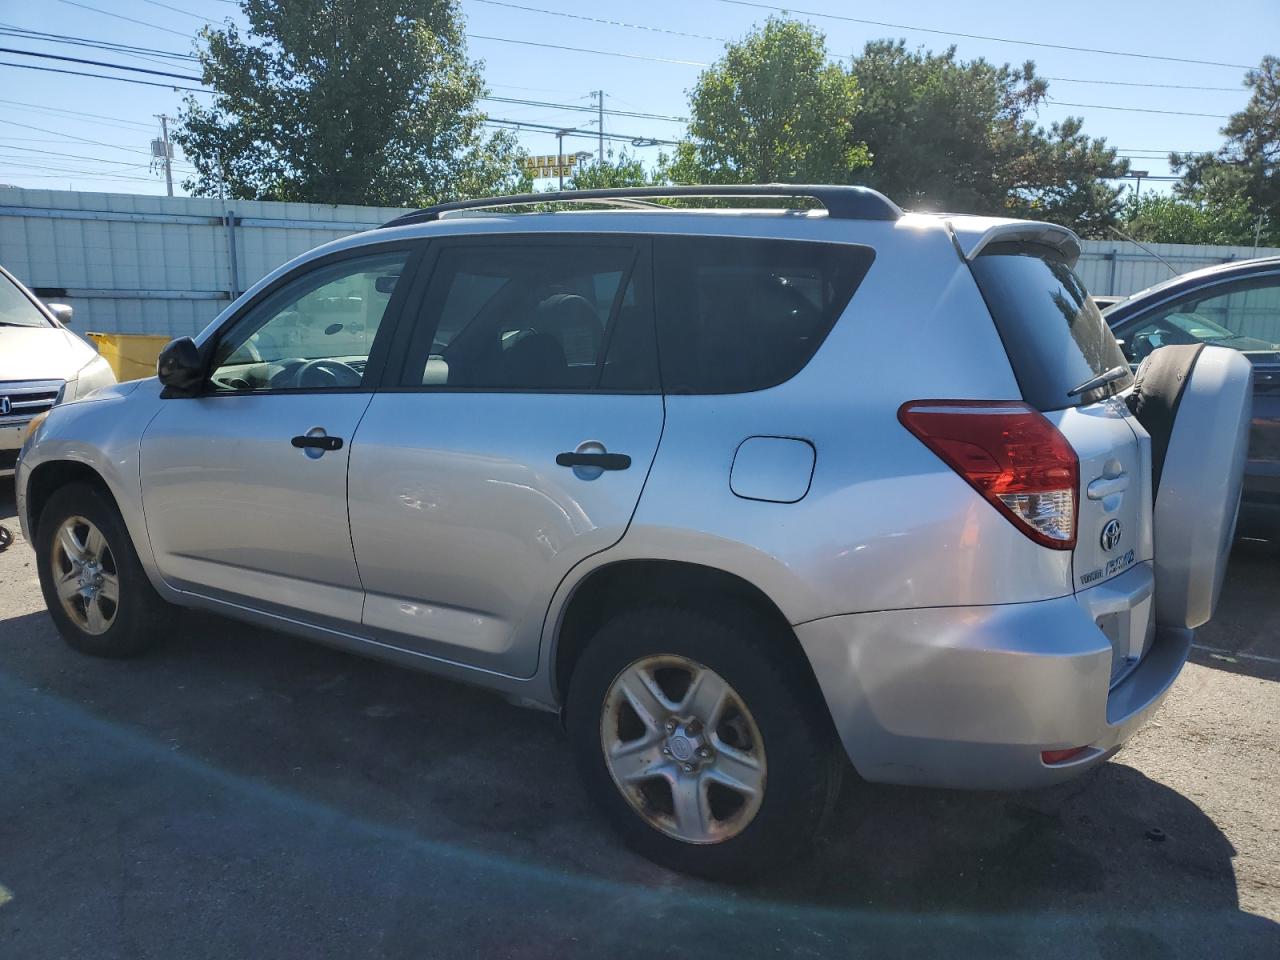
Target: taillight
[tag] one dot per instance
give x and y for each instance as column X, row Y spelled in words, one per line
column 1010, row 454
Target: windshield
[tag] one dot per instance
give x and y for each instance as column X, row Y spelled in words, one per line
column 16, row 309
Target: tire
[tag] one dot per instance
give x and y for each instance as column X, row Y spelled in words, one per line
column 799, row 767
column 129, row 625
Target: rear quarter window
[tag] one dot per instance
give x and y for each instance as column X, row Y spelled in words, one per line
column 1055, row 337
column 737, row 314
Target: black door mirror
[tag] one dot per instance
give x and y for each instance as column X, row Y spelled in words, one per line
column 180, row 367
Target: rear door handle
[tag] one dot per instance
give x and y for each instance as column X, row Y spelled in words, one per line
column 321, row 442
column 1104, row 487
column 605, row 461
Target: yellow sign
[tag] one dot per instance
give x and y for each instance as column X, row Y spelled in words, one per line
column 551, row 165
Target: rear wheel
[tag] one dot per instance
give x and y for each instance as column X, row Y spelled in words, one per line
column 703, row 739
column 93, row 584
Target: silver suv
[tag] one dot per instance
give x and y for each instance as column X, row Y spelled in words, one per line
column 741, row 492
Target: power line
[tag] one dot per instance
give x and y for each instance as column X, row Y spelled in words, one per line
column 100, row 63
column 88, row 117
column 74, row 156
column 185, row 13
column 101, row 76
column 88, row 42
column 603, row 53
column 124, row 50
column 1160, row 86
column 979, row 36
column 119, row 16
column 584, row 108
column 610, row 23
column 1101, row 106
column 519, row 124
column 70, row 136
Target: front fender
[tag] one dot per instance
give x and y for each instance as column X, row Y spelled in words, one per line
column 103, row 434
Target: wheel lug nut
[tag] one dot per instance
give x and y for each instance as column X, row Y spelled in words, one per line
column 671, row 726
column 704, row 752
column 688, row 768
column 666, row 751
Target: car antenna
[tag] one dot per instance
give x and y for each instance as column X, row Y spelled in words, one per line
column 1124, row 236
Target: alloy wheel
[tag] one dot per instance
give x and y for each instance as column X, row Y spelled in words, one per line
column 85, row 575
column 683, row 748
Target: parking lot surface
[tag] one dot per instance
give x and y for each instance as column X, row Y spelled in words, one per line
column 242, row 793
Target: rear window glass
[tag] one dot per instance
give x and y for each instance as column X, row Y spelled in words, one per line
column 1055, row 337
column 741, row 314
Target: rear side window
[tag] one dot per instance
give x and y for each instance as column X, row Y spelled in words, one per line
column 739, row 314
column 1055, row 337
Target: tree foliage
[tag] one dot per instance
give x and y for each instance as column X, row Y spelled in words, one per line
column 938, row 133
column 343, row 101
column 947, row 134
column 1248, row 164
column 1160, row 218
column 772, row 109
column 622, row 170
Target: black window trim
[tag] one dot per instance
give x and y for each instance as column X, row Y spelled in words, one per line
column 379, row 352
column 641, row 244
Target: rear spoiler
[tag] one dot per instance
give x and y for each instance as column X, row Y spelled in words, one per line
column 971, row 242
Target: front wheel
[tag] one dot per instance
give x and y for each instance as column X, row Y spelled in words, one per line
column 703, row 739
column 91, row 578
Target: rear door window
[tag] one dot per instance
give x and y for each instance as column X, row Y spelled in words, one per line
column 1055, row 337
column 737, row 314
column 544, row 314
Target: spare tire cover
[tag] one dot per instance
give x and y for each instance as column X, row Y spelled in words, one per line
column 1196, row 403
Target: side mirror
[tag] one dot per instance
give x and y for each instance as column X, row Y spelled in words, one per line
column 62, row 312
column 180, row 367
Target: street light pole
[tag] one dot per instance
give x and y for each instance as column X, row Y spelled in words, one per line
column 560, row 134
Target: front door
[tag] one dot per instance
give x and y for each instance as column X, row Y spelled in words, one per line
column 245, row 486
column 513, row 443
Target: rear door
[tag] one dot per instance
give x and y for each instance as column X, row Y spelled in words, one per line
column 1058, row 342
column 510, row 442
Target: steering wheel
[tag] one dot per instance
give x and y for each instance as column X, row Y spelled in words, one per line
column 326, row 372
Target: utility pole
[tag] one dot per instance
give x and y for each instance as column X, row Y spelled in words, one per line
column 560, row 155
column 168, row 153
column 599, row 95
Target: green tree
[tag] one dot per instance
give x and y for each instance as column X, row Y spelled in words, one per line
column 772, row 109
column 1160, row 218
column 946, row 134
column 343, row 101
column 623, row 170
column 1248, row 163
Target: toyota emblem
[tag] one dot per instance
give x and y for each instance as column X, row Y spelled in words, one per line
column 1110, row 534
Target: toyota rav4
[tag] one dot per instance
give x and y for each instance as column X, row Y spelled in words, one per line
column 746, row 494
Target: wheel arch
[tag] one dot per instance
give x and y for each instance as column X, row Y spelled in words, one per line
column 623, row 584
column 52, row 475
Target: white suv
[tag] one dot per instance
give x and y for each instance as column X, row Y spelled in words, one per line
column 743, row 492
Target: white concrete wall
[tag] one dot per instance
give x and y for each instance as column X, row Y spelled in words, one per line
column 138, row 264
column 1117, row 267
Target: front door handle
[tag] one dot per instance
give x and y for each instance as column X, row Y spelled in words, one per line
column 604, row 461
column 317, row 442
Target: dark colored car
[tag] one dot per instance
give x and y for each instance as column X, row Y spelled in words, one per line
column 1233, row 305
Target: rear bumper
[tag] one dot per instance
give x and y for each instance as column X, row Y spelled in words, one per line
column 968, row 697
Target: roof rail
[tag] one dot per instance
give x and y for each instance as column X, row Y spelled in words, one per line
column 841, row 202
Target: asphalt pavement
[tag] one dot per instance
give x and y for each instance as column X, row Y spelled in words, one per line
column 241, row 793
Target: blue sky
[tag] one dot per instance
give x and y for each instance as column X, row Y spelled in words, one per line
column 65, row 132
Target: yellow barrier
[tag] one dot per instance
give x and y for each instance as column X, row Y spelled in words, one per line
column 132, row 355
